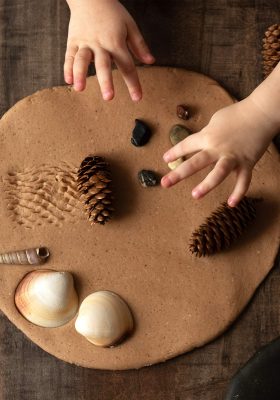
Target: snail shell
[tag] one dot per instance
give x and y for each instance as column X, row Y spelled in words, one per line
column 34, row 256
column 104, row 319
column 47, row 298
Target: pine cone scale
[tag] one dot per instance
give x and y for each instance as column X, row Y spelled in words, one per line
column 271, row 46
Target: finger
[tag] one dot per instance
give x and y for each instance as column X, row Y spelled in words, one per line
column 219, row 173
column 82, row 59
column 191, row 144
column 103, row 65
column 188, row 168
column 68, row 63
column 125, row 64
column 137, row 44
column 242, row 185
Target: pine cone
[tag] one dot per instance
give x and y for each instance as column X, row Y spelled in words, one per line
column 271, row 49
column 94, row 185
column 223, row 227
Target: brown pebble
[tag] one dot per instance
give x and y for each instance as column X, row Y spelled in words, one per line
column 183, row 112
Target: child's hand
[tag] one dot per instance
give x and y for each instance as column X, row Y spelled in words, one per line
column 103, row 31
column 234, row 140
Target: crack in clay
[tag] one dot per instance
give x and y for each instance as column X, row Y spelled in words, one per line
column 42, row 195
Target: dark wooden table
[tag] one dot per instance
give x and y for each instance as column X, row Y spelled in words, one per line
column 220, row 38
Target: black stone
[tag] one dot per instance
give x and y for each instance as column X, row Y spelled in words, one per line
column 147, row 178
column 259, row 379
column 141, row 133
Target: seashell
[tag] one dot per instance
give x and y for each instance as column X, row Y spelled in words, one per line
column 47, row 298
column 35, row 256
column 104, row 319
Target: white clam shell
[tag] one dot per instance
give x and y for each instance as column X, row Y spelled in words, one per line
column 104, row 319
column 47, row 298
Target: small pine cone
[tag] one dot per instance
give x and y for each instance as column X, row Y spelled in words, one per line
column 271, row 49
column 222, row 227
column 94, row 186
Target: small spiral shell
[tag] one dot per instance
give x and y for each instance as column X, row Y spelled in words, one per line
column 35, row 256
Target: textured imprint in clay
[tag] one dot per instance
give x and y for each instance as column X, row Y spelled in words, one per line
column 42, row 195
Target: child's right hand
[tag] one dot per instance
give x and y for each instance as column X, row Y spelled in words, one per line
column 103, row 31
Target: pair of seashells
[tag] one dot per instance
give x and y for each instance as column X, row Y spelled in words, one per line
column 48, row 298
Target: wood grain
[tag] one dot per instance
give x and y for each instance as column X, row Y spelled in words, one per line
column 220, row 38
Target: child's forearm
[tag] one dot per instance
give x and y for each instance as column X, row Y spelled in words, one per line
column 266, row 97
column 72, row 3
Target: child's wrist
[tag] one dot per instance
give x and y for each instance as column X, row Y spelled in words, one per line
column 266, row 97
column 263, row 115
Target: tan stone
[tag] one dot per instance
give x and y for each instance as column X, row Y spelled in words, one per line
column 174, row 164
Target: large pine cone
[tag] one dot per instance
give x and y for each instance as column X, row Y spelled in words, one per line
column 271, row 49
column 223, row 227
column 94, row 185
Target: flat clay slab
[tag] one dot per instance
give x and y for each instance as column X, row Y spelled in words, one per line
column 179, row 301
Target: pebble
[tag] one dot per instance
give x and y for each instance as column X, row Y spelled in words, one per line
column 178, row 133
column 183, row 112
column 141, row 133
column 174, row 164
column 147, row 178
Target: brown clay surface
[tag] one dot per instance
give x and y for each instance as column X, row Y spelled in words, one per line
column 179, row 302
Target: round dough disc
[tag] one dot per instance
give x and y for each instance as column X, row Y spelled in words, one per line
column 178, row 301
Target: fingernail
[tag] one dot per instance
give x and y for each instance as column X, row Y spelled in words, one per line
column 231, row 201
column 166, row 182
column 107, row 95
column 196, row 194
column 136, row 96
column 166, row 157
column 149, row 58
column 78, row 86
column 68, row 79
